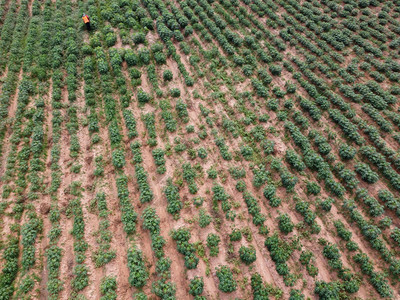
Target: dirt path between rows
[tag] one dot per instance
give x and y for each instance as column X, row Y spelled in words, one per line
column 66, row 240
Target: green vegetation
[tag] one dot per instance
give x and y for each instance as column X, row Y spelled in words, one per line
column 222, row 123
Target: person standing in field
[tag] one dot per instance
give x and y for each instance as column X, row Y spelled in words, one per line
column 86, row 20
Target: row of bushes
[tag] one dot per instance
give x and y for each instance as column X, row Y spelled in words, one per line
column 54, row 253
column 103, row 254
column 182, row 236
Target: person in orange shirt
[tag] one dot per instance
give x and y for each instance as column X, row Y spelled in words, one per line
column 86, row 20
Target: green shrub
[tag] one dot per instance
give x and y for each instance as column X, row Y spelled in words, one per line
column 296, row 295
column 111, row 39
column 305, row 257
column 198, row 201
column 247, row 70
column 158, row 155
column 130, row 123
column 294, row 160
column 134, row 73
column 331, row 252
column 151, row 220
column 175, row 92
column 171, row 192
column 219, row 193
column 131, row 58
column 342, row 231
column 327, row 290
column 118, row 158
column 327, row 204
column 140, row 296
column 275, row 70
column 167, row 75
column 182, row 236
column 144, row 56
column 247, row 152
column 385, row 222
column 139, row 38
column 236, row 235
column 142, row 96
column 108, row 288
column 260, row 290
column 196, row 286
column 27, row 284
column 288, row 180
column 285, row 223
column 273, row 104
column 247, row 254
column 212, row 243
column 347, row 152
column 181, row 109
column 395, row 235
column 164, row 289
column 313, row 188
column 189, row 128
column 202, row 153
column 312, row 270
column 138, row 273
column 189, row 175
column 223, row 148
column 212, row 173
column 237, row 172
column 280, row 252
column 366, row 173
column 240, row 186
column 146, row 194
column 81, row 278
column 260, row 176
column 269, row 194
column 204, row 218
column 227, row 283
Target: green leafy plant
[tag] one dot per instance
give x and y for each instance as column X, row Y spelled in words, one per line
column 171, row 192
column 142, row 96
column 175, row 92
column 247, row 254
column 313, row 188
column 227, row 283
column 366, row 173
column 236, row 235
column 196, row 286
column 182, row 236
column 118, row 158
column 108, row 288
column 158, row 155
column 285, row 223
column 212, row 243
column 204, row 218
column 138, row 273
column 167, row 75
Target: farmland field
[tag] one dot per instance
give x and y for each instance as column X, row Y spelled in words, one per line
column 209, row 149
